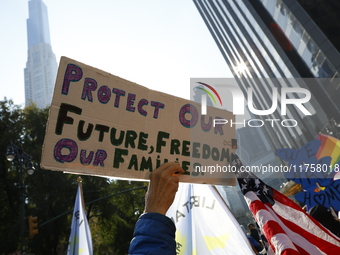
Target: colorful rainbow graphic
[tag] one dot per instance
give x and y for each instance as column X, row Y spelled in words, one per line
column 211, row 92
column 330, row 147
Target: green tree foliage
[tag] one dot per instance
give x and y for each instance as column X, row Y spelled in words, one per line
column 10, row 129
column 52, row 193
column 118, row 216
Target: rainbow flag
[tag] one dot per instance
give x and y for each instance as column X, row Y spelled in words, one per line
column 330, row 147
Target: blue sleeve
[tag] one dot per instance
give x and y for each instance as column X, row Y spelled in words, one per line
column 154, row 235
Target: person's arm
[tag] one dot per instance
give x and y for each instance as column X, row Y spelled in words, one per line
column 154, row 232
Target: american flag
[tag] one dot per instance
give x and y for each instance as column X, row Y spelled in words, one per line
column 288, row 229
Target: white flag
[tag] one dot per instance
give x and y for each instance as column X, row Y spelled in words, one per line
column 204, row 223
column 80, row 241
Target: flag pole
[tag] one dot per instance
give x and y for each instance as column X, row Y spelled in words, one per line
column 219, row 194
column 80, row 185
column 227, row 206
column 80, row 238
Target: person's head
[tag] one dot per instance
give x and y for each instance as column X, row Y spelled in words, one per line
column 251, row 226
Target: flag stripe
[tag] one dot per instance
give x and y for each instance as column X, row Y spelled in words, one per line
column 301, row 251
column 269, row 226
column 268, row 222
column 307, row 223
column 273, row 228
column 288, row 229
column 283, row 245
column 277, row 196
column 312, row 238
column 296, row 235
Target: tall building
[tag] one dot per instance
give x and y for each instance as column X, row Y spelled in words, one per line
column 41, row 65
column 270, row 44
column 281, row 39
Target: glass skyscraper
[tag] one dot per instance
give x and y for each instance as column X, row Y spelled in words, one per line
column 279, row 39
column 41, row 65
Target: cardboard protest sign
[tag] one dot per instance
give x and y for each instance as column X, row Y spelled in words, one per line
column 100, row 124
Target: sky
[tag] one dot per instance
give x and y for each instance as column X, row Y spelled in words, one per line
column 157, row 44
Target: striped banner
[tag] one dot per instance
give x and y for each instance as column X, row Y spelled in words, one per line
column 288, row 229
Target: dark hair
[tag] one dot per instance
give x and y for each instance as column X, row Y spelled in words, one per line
column 325, row 217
